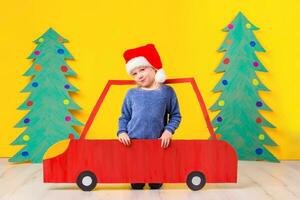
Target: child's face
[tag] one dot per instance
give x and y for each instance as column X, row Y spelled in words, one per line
column 144, row 76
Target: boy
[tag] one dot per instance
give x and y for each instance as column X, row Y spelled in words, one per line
column 151, row 110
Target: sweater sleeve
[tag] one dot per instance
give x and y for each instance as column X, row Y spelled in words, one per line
column 174, row 114
column 126, row 112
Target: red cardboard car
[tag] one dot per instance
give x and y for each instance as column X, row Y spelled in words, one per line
column 194, row 162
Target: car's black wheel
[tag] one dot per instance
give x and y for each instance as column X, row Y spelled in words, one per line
column 195, row 180
column 87, row 181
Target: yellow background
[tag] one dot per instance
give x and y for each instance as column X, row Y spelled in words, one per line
column 187, row 35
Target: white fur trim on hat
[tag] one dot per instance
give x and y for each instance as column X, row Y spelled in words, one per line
column 137, row 62
column 160, row 76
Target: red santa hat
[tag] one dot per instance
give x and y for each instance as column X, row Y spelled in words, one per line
column 145, row 56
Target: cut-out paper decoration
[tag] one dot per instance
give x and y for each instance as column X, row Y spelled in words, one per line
column 49, row 119
column 239, row 122
column 194, row 162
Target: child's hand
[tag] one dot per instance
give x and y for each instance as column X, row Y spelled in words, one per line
column 124, row 138
column 165, row 138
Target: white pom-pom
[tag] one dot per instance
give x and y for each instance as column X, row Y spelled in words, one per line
column 160, row 76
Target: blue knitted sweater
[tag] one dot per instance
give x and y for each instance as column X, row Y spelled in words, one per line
column 147, row 113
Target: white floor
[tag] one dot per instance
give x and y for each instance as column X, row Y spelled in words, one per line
column 256, row 180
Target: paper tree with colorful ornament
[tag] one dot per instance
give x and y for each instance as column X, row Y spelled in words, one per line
column 239, row 122
column 49, row 119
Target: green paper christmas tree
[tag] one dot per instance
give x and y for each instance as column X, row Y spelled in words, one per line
column 49, row 119
column 239, row 121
